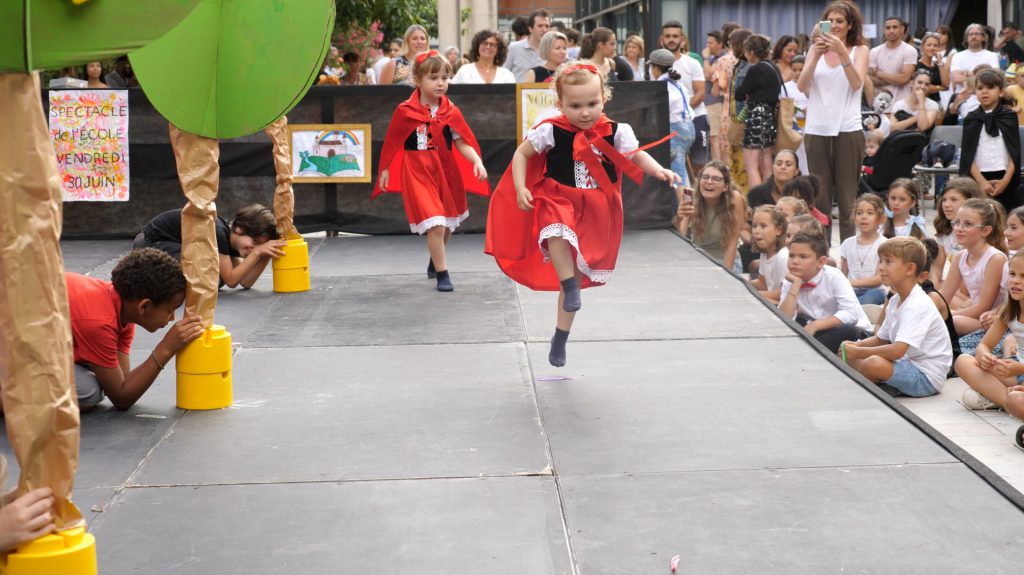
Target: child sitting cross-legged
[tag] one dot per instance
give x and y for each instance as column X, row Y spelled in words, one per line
column 912, row 351
column 819, row 297
column 996, row 382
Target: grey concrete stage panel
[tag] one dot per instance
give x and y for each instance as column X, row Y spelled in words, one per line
column 646, row 304
column 656, row 406
column 385, row 255
column 88, row 256
column 394, row 310
column 362, row 413
column 496, row 526
column 893, row 519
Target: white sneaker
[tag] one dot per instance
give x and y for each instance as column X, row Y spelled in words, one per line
column 974, row 400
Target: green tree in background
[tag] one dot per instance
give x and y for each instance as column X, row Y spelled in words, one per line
column 394, row 15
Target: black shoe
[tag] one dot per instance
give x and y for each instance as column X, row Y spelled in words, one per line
column 444, row 281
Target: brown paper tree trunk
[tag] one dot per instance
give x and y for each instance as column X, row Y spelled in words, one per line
column 199, row 174
column 36, row 386
column 284, row 197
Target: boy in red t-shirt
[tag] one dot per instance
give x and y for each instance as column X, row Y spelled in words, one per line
column 147, row 286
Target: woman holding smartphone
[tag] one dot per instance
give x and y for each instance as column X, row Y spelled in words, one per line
column 833, row 79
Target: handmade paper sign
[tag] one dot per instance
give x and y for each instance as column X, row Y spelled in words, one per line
column 330, row 152
column 89, row 132
column 248, row 62
column 534, row 102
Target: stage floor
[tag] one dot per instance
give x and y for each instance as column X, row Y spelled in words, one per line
column 382, row 427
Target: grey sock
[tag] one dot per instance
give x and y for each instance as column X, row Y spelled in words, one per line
column 556, row 356
column 572, row 295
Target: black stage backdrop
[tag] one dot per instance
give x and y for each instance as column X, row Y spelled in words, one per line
column 247, row 169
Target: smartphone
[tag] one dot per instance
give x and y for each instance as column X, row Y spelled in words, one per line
column 825, row 27
column 688, row 195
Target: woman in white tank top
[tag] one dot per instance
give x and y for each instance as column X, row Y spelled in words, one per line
column 833, row 79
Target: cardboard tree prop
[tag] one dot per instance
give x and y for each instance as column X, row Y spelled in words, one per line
column 36, row 387
column 248, row 63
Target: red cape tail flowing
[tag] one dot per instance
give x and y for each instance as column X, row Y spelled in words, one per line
column 513, row 235
column 410, row 114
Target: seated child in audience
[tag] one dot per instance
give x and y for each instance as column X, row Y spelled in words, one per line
column 819, row 297
column 1015, row 230
column 912, row 351
column 996, row 382
column 792, row 207
column 945, row 310
column 990, row 151
column 980, row 267
column 902, row 216
column 872, row 141
column 957, row 191
column 245, row 246
column 768, row 230
column 803, row 223
column 807, row 188
column 859, row 254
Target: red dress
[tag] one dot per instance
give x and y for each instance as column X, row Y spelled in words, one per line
column 590, row 219
column 418, row 154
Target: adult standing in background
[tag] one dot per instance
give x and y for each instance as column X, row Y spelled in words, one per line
column 965, row 61
column 94, row 74
column 552, row 48
column 525, row 54
column 760, row 93
column 599, row 47
column 487, row 53
column 782, row 56
column 1008, row 43
column 633, row 54
column 892, row 64
column 691, row 78
column 714, row 50
column 394, row 50
column 454, row 57
column 931, row 64
column 399, row 70
column 833, row 79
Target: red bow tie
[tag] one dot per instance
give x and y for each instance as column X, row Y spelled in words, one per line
column 808, row 285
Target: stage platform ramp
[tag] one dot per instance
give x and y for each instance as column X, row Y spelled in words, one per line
column 381, row 426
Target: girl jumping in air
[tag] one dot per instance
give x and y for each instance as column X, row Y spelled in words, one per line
column 560, row 201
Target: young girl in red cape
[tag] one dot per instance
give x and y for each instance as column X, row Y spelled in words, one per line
column 560, row 202
column 432, row 180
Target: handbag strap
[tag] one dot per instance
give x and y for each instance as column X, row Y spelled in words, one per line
column 778, row 74
column 682, row 94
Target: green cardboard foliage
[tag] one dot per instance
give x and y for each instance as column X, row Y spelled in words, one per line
column 234, row 66
column 52, row 34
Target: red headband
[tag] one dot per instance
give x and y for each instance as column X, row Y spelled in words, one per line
column 425, row 55
column 578, row 67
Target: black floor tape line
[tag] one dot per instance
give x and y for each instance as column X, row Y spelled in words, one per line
column 989, row 476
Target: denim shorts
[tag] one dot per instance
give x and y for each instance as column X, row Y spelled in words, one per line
column 909, row 380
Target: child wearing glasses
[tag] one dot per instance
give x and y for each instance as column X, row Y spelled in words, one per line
column 980, row 267
column 715, row 215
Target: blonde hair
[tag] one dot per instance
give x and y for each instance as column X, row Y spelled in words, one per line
column 634, row 39
column 962, row 185
column 991, row 213
column 579, row 72
column 875, row 137
column 548, row 41
column 1011, row 307
column 799, row 206
column 408, row 34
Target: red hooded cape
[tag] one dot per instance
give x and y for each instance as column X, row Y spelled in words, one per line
column 512, row 233
column 411, row 114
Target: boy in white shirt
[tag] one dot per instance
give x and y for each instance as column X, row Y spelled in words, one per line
column 912, row 351
column 819, row 297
